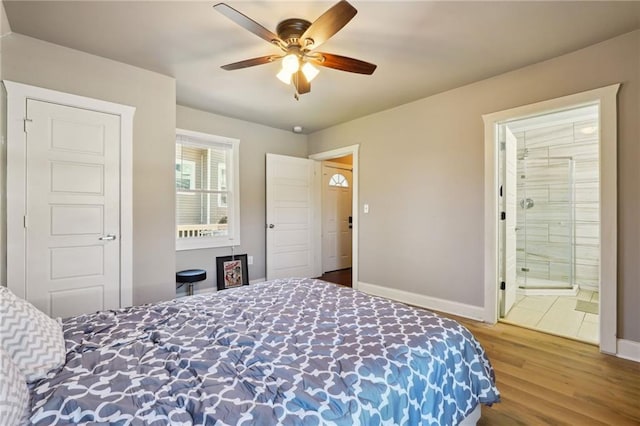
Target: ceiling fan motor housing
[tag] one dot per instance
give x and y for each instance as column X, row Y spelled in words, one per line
column 290, row 30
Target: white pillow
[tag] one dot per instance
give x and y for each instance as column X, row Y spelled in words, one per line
column 32, row 339
column 14, row 395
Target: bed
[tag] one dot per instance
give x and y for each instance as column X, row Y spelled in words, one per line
column 295, row 351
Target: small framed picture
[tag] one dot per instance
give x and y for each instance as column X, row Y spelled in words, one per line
column 232, row 271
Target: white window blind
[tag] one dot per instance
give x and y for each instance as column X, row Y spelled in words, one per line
column 207, row 191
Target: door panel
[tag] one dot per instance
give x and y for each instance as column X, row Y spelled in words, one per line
column 74, row 219
column 72, row 201
column 336, row 211
column 290, row 217
column 345, row 206
column 84, row 179
column 64, row 302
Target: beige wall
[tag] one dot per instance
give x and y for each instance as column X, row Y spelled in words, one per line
column 255, row 141
column 421, row 172
column 30, row 61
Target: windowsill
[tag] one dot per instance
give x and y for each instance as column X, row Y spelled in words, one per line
column 205, row 243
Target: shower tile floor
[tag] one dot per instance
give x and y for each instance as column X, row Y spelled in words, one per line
column 557, row 315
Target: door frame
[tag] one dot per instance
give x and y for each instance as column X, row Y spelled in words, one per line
column 330, row 155
column 606, row 98
column 17, row 96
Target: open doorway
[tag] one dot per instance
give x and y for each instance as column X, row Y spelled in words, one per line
column 339, row 199
column 337, row 219
column 496, row 269
column 550, row 232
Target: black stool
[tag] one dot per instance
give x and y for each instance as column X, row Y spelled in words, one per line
column 190, row 277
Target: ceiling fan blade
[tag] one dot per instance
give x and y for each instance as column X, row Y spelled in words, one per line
column 246, row 22
column 344, row 63
column 301, row 83
column 250, row 62
column 328, row 24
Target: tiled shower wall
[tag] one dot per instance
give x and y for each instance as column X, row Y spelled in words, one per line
column 546, row 181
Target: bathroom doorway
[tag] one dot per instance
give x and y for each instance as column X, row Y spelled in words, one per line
column 550, row 238
column 606, row 100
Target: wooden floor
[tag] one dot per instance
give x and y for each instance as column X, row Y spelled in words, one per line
column 342, row 277
column 549, row 380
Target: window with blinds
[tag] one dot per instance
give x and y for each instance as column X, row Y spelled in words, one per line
column 207, row 199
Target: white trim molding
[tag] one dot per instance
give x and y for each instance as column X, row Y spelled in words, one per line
column 628, row 349
column 353, row 150
column 17, row 95
column 420, row 300
column 605, row 98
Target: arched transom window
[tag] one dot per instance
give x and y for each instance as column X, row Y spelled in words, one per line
column 339, row 180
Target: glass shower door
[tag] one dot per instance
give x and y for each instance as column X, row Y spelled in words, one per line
column 545, row 220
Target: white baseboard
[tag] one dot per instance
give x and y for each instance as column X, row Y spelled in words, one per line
column 442, row 305
column 628, row 349
column 204, row 290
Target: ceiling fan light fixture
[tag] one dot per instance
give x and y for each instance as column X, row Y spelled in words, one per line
column 284, row 76
column 298, row 39
column 291, row 63
column 310, row 72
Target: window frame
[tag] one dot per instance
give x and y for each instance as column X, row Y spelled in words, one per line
column 205, row 140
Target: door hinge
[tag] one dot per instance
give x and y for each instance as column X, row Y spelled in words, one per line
column 24, row 221
column 503, row 215
column 26, row 126
column 503, row 285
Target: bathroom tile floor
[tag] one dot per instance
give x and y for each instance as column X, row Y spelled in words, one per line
column 557, row 315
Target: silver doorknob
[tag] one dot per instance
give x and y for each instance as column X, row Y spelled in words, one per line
column 271, row 226
column 109, row 237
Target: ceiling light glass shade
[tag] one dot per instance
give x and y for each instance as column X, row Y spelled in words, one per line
column 290, row 63
column 284, row 76
column 309, row 71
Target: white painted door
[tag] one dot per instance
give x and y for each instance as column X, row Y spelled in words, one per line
column 510, row 188
column 292, row 229
column 336, row 216
column 72, row 209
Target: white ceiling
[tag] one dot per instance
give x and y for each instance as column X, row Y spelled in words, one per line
column 421, row 48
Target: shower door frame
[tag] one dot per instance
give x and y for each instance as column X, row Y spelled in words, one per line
column 606, row 99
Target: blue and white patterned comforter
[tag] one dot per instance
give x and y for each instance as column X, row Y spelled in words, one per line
column 287, row 352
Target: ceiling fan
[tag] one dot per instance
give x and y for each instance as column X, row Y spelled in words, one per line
column 298, row 39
